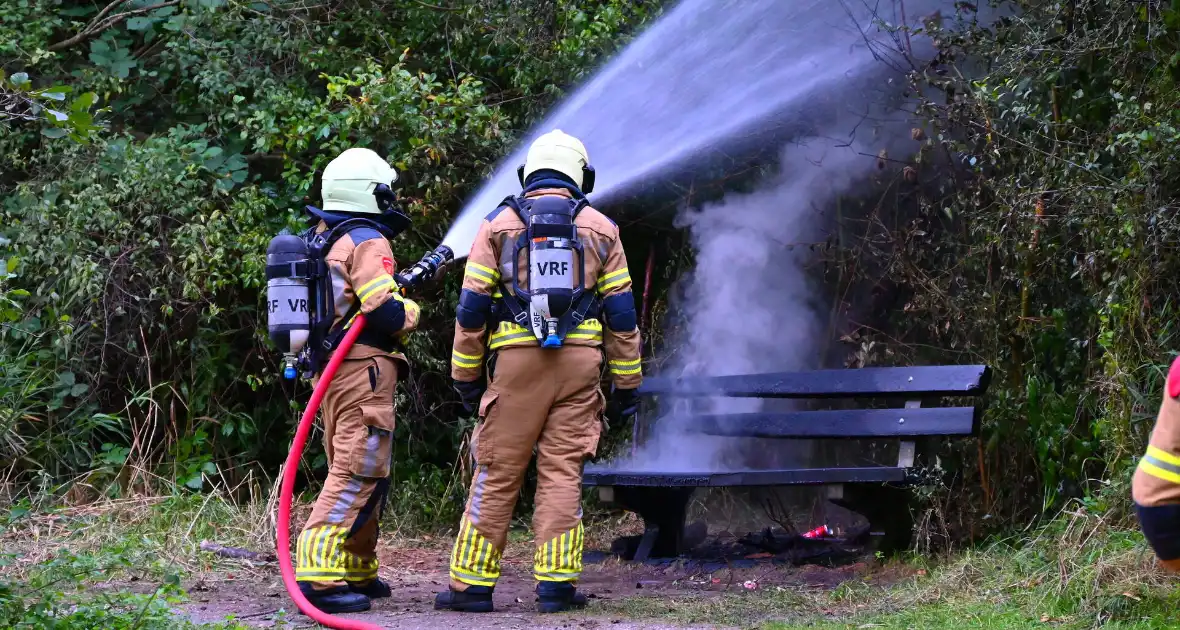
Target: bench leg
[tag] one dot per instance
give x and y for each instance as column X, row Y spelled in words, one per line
column 647, row 542
column 663, row 511
column 887, row 509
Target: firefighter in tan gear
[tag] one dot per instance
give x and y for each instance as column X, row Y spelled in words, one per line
column 336, row 561
column 543, row 340
column 1155, row 487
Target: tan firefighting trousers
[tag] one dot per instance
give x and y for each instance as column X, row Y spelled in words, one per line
column 338, row 542
column 550, row 399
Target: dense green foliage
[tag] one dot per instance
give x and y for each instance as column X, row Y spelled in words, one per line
column 130, row 328
column 1040, row 239
column 1034, row 231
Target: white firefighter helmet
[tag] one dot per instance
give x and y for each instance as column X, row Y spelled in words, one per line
column 350, row 179
column 560, row 152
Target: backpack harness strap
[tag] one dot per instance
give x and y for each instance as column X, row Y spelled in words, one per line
column 588, row 303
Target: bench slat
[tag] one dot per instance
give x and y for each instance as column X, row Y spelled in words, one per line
column 892, row 382
column 597, row 476
column 845, row 423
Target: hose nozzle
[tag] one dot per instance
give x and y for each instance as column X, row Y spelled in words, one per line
column 425, row 269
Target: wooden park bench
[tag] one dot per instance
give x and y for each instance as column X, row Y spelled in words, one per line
column 876, row 492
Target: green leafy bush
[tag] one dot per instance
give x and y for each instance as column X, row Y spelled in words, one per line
column 133, row 333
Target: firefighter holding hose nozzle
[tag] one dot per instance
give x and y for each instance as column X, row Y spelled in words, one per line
column 1155, row 487
column 319, row 283
column 546, row 305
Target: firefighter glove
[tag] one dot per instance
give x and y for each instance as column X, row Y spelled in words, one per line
column 469, row 393
column 623, row 404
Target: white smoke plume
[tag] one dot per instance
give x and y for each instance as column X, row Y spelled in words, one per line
column 749, row 304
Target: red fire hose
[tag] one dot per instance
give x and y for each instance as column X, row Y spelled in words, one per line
column 283, row 550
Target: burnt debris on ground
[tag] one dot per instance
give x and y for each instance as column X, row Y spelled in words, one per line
column 775, row 545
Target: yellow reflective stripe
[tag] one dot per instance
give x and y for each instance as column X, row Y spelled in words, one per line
column 465, row 360
column 511, row 333
column 617, row 283
column 497, row 294
column 320, row 554
column 614, row 279
column 625, row 371
column 318, row 574
column 588, row 329
column 594, row 337
column 371, row 287
column 1163, row 456
column 473, row 559
column 614, row 274
column 1155, row 471
column 478, row 271
column 625, row 362
column 560, row 559
column 512, row 340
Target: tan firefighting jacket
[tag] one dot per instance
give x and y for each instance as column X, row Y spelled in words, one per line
column 606, row 273
column 361, row 266
column 1157, row 478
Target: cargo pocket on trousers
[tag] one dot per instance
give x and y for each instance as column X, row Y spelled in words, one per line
column 594, row 432
column 481, row 443
column 372, row 458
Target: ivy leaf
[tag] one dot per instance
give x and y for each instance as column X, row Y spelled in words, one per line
column 84, row 102
column 117, row 60
column 19, row 79
column 141, row 23
column 53, row 132
column 59, row 116
column 195, row 482
column 99, row 47
column 122, row 69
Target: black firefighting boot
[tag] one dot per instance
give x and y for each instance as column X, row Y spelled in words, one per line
column 339, row 599
column 374, row 589
column 554, row 597
column 474, row 599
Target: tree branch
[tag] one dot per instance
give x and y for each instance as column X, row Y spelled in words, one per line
column 101, row 14
column 434, row 6
column 98, row 25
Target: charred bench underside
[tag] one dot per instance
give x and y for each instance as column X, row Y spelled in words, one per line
column 877, row 492
column 600, row 476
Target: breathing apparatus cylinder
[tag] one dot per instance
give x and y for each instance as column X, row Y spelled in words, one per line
column 551, row 285
column 288, row 321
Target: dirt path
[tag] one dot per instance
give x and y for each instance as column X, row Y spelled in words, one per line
column 255, row 596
